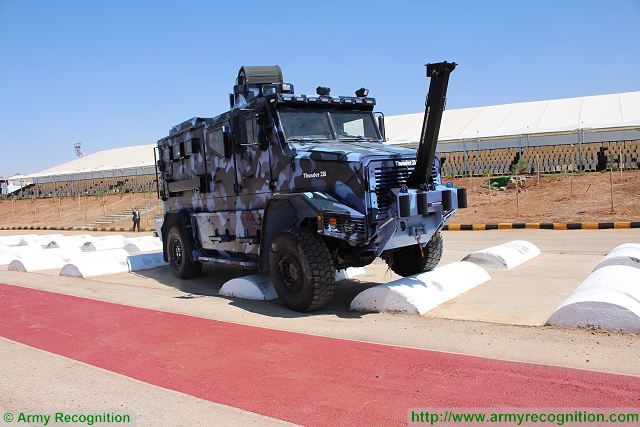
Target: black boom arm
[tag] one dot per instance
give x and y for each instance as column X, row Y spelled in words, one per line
column 435, row 104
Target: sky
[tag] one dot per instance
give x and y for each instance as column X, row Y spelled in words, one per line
column 118, row 73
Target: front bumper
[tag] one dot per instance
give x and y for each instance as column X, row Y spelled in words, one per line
column 415, row 216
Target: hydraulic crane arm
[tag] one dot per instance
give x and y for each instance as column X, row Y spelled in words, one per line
column 435, row 104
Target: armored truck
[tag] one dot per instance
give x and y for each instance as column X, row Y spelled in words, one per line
column 301, row 186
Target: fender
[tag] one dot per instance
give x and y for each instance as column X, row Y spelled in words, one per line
column 285, row 211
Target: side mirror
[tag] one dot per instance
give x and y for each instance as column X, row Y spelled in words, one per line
column 228, row 144
column 383, row 131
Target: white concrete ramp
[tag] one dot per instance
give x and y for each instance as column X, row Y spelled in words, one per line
column 103, row 243
column 14, row 240
column 32, row 263
column 254, row 286
column 609, row 298
column 97, row 263
column 259, row 286
column 9, row 253
column 505, row 256
column 423, row 292
column 45, row 259
column 38, row 239
column 139, row 245
column 145, row 261
column 74, row 241
column 627, row 254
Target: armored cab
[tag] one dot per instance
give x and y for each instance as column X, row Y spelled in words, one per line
column 301, row 186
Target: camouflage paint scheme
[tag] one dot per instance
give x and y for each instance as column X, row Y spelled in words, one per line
column 235, row 206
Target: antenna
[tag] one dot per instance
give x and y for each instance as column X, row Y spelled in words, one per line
column 78, row 147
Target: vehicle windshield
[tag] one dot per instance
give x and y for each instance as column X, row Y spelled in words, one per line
column 301, row 125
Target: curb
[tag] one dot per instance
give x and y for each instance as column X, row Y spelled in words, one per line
column 54, row 228
column 448, row 227
column 543, row 226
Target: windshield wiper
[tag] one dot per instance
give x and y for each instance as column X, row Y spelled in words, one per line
column 355, row 138
column 305, row 139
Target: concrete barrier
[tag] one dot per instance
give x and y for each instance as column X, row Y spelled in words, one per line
column 505, row 256
column 104, row 243
column 46, row 259
column 97, row 263
column 423, row 292
column 145, row 261
column 10, row 240
column 74, row 241
column 145, row 244
column 27, row 239
column 627, row 246
column 627, row 254
column 9, row 253
column 349, row 273
column 36, row 263
column 609, row 298
column 254, row 286
column 259, row 286
column 38, row 239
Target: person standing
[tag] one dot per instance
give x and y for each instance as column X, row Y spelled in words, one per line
column 136, row 220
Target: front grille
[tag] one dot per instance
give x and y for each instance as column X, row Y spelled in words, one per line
column 388, row 177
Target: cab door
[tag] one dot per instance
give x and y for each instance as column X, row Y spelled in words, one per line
column 253, row 159
column 253, row 163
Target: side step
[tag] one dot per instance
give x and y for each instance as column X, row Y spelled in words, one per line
column 230, row 261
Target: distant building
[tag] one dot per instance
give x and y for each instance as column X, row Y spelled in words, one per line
column 517, row 129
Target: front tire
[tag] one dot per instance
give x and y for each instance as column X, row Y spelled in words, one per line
column 410, row 260
column 180, row 249
column 302, row 270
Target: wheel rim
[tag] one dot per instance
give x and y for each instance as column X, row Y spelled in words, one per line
column 176, row 251
column 291, row 273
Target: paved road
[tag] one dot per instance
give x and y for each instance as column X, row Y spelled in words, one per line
column 173, row 352
column 299, row 378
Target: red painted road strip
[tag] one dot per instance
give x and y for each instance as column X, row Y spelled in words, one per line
column 295, row 377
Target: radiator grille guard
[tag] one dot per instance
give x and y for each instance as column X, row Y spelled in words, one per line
column 404, row 216
column 387, row 175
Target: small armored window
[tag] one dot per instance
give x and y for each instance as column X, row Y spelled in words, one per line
column 251, row 129
column 215, row 142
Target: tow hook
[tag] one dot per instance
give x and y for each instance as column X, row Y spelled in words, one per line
column 420, row 246
column 417, row 232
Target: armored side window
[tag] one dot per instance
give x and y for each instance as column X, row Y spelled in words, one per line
column 215, row 142
column 166, row 154
column 251, row 129
column 178, row 151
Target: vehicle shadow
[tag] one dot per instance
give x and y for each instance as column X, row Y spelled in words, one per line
column 345, row 292
column 207, row 284
column 213, row 276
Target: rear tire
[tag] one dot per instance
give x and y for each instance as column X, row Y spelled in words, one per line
column 409, row 260
column 302, row 270
column 180, row 250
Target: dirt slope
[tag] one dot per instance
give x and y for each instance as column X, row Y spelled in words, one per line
column 557, row 198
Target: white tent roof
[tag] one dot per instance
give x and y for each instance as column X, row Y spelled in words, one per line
column 616, row 110
column 116, row 158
